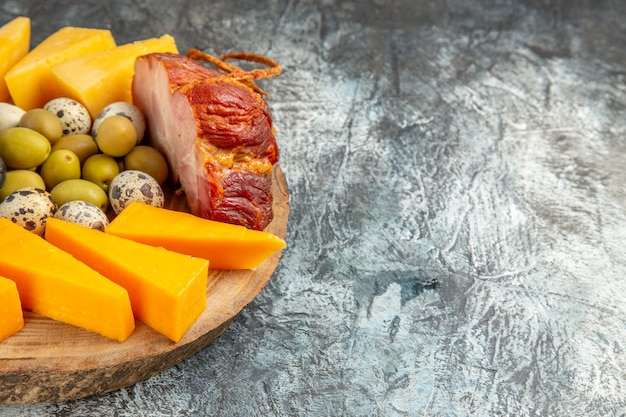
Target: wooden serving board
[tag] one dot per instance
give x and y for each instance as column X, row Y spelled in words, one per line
column 51, row 361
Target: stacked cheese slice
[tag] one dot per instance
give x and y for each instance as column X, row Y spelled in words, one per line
column 137, row 269
column 84, row 64
column 101, row 282
column 11, row 317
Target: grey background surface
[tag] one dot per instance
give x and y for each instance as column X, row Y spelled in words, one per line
column 457, row 227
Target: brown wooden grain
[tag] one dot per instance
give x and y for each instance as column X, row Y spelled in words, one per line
column 49, row 361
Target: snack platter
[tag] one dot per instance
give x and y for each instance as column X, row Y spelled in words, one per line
column 50, row 361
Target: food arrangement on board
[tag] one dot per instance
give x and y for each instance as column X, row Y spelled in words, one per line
column 94, row 139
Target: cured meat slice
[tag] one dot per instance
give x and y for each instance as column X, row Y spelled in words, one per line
column 215, row 129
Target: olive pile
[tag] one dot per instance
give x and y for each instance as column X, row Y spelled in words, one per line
column 57, row 148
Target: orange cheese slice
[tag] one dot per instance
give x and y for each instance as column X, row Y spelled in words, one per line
column 226, row 246
column 167, row 289
column 54, row 284
column 11, row 316
column 30, row 81
column 14, row 45
column 104, row 77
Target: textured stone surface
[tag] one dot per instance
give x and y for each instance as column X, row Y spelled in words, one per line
column 457, row 209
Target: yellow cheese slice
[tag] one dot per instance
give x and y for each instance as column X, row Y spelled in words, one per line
column 54, row 284
column 167, row 289
column 11, row 316
column 30, row 80
column 104, row 77
column 226, row 246
column 14, row 45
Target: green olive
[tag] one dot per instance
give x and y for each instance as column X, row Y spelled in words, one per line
column 23, row 148
column 82, row 145
column 44, row 122
column 100, row 169
column 61, row 165
column 149, row 160
column 116, row 136
column 20, row 178
column 80, row 189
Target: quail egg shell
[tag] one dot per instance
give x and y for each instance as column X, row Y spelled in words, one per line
column 30, row 208
column 10, row 115
column 122, row 108
column 133, row 185
column 75, row 118
column 83, row 213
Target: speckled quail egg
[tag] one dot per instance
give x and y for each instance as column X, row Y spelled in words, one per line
column 75, row 118
column 10, row 115
column 30, row 208
column 122, row 108
column 83, row 213
column 133, row 185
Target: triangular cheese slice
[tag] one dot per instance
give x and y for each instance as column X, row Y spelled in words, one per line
column 226, row 246
column 53, row 283
column 167, row 289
